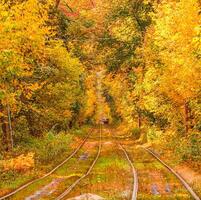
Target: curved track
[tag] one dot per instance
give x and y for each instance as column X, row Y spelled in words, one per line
column 185, row 184
column 134, row 171
column 49, row 173
column 71, row 187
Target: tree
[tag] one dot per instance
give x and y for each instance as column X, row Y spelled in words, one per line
column 35, row 65
column 173, row 41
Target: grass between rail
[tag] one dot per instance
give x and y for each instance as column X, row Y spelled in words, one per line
column 155, row 181
column 111, row 177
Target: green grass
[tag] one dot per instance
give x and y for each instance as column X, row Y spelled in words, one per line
column 12, row 180
column 160, row 197
column 106, row 162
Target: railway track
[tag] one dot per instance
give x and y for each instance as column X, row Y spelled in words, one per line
column 134, row 171
column 184, row 183
column 123, row 149
column 72, row 186
column 49, row 173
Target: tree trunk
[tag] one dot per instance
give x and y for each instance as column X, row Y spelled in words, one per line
column 139, row 120
column 70, row 125
column 32, row 121
column 186, row 117
column 5, row 129
column 10, row 127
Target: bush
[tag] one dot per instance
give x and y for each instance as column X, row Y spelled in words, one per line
column 136, row 133
column 52, row 147
column 154, row 134
column 185, row 148
column 80, row 132
column 190, row 148
column 195, row 143
column 49, row 149
column 21, row 163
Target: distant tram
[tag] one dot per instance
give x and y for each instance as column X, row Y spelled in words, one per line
column 104, row 121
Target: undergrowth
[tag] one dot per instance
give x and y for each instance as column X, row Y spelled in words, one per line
column 48, row 150
column 183, row 148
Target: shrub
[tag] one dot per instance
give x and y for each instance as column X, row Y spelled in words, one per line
column 136, row 133
column 190, row 148
column 20, row 164
column 185, row 148
column 52, row 147
column 195, row 143
column 154, row 134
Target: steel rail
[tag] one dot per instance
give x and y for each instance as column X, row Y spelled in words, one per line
column 71, row 187
column 185, row 184
column 49, row 173
column 134, row 172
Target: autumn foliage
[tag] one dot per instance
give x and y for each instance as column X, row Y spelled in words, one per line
column 21, row 163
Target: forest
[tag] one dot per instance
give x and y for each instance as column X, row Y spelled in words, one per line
column 116, row 82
